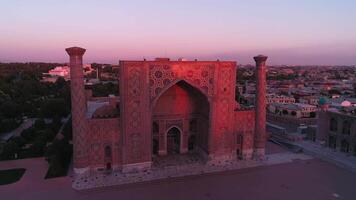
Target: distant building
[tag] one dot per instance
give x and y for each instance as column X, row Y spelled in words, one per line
column 54, row 74
column 342, row 102
column 240, row 89
column 272, row 98
column 87, row 69
column 63, row 71
column 295, row 110
column 293, row 115
column 312, row 100
column 248, row 99
column 337, row 129
column 60, row 71
column 250, row 88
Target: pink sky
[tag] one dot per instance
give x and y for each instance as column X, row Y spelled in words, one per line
column 289, row 32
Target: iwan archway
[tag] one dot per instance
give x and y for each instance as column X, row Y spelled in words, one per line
column 180, row 120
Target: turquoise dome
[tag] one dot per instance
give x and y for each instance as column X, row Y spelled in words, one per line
column 322, row 101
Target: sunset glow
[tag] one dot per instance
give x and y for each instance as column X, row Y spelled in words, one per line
column 290, row 32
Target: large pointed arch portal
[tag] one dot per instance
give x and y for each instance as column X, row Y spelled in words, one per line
column 178, row 107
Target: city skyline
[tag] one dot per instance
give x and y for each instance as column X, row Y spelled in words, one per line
column 303, row 32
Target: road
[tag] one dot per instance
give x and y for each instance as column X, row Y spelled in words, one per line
column 17, row 132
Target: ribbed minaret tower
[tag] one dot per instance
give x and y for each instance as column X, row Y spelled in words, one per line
column 78, row 99
column 323, row 121
column 260, row 104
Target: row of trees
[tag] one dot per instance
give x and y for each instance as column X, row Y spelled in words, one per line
column 26, row 95
column 105, row 89
column 59, row 153
column 32, row 142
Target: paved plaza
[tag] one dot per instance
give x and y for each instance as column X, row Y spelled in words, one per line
column 298, row 179
column 331, row 155
column 182, row 166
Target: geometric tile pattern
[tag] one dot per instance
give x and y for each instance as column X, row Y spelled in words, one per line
column 78, row 102
column 199, row 75
column 222, row 135
column 102, row 133
column 134, row 117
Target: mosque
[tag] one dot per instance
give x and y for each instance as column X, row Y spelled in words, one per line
column 165, row 108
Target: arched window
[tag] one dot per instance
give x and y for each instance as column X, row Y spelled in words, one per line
column 345, row 146
column 107, row 152
column 333, row 124
column 332, row 142
column 191, row 142
column 312, row 114
column 285, row 112
column 155, row 127
column 239, row 139
column 173, row 141
column 346, row 127
column 155, row 146
column 193, row 125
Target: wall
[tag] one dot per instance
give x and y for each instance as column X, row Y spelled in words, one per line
column 245, row 124
column 104, row 132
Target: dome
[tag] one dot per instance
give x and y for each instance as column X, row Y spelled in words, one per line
column 346, row 104
column 322, row 101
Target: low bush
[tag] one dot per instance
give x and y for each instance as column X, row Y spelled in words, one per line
column 58, row 155
column 11, row 175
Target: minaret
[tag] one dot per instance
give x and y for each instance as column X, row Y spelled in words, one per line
column 78, row 99
column 260, row 104
column 323, row 121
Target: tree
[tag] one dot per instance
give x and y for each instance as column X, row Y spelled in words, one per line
column 60, row 82
column 58, row 155
column 20, row 141
column 28, row 134
column 39, row 124
column 67, row 130
column 4, row 97
column 48, row 134
column 7, row 125
column 37, row 148
column 10, row 109
column 293, row 113
column 312, row 114
column 334, row 91
column 101, row 90
column 29, row 109
column 10, row 149
column 55, row 108
column 56, row 124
